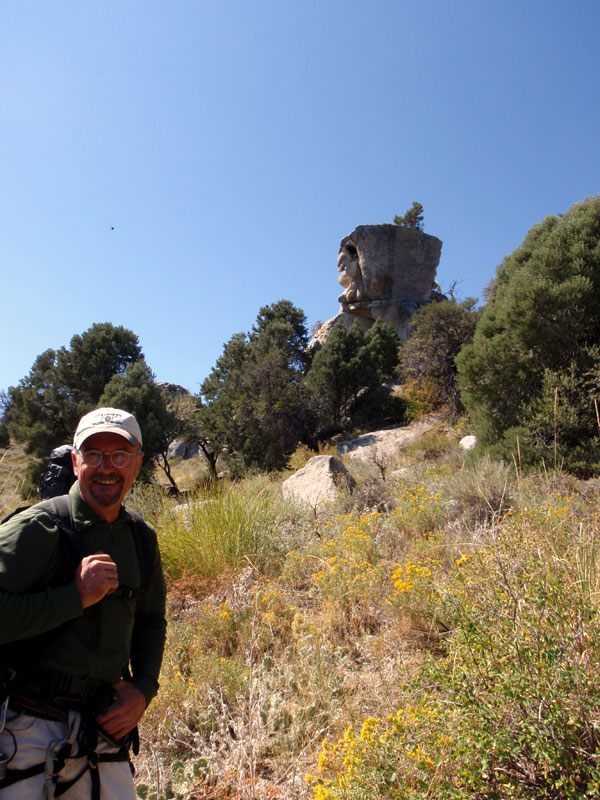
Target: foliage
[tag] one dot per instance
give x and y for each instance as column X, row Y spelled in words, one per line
column 413, row 218
column 378, row 407
column 444, row 645
column 4, row 435
column 256, row 408
column 344, row 573
column 439, row 331
column 63, row 385
column 93, row 358
column 43, row 415
column 137, row 393
column 349, row 363
column 193, row 422
column 273, row 413
column 510, row 710
column 217, row 529
column 292, row 334
column 537, row 337
column 303, row 453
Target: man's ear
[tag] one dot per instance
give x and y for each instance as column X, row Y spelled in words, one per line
column 139, row 464
column 74, row 462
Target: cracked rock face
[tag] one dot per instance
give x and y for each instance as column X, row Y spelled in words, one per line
column 387, row 272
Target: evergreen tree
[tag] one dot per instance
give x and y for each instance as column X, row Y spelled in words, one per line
column 137, row 392
column 539, row 334
column 413, row 218
column 382, row 347
column 350, row 363
column 255, row 405
column 63, row 385
column 439, row 332
column 295, row 333
column 42, row 412
column 93, row 358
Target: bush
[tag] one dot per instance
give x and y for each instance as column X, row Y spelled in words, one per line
column 379, row 407
column 439, row 331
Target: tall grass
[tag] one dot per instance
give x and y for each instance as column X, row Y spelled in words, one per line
column 220, row 529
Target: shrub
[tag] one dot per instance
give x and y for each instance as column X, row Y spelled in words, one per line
column 481, row 493
column 512, row 710
column 343, row 573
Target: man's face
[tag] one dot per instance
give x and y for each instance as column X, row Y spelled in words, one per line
column 104, row 487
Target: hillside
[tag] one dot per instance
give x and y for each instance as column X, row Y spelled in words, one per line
column 433, row 634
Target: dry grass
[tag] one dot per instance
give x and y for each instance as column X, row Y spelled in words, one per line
column 13, row 463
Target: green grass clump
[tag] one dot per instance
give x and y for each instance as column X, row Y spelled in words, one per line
column 220, row 529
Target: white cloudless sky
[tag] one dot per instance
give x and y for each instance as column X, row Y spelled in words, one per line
column 174, row 166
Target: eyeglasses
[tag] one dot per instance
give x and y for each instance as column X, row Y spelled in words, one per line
column 118, row 458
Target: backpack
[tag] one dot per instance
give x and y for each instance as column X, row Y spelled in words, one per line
column 56, row 480
column 59, row 476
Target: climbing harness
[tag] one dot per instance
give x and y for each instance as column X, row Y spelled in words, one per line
column 80, row 742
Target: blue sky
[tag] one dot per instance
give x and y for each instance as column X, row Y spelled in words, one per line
column 232, row 145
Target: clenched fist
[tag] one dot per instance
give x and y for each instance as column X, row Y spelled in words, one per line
column 96, row 577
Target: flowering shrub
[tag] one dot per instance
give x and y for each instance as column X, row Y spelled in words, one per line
column 417, row 512
column 378, row 760
column 512, row 710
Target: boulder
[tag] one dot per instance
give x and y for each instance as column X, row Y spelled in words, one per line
column 468, row 442
column 182, row 449
column 387, row 443
column 319, row 481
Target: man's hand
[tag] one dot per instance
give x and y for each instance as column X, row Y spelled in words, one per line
column 126, row 711
column 96, row 577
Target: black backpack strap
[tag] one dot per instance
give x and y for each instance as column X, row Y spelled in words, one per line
column 11, row 514
column 145, row 549
column 61, row 512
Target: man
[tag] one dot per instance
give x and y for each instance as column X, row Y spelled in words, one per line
column 72, row 626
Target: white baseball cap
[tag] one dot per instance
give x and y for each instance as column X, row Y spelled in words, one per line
column 108, row 420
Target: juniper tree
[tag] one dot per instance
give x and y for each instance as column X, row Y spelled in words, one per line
column 538, row 340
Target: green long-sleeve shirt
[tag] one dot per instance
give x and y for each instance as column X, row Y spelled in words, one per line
column 104, row 638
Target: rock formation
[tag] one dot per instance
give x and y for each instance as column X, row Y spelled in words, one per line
column 388, row 272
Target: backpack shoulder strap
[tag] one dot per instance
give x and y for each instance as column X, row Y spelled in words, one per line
column 145, row 548
column 61, row 512
column 145, row 543
column 13, row 513
column 34, row 649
